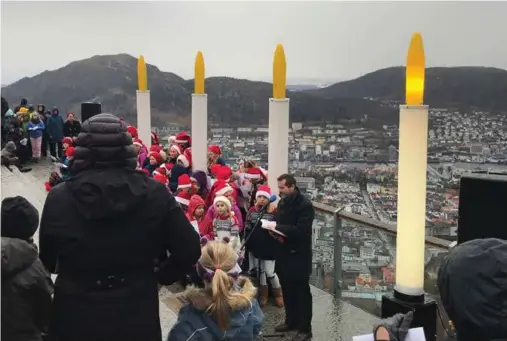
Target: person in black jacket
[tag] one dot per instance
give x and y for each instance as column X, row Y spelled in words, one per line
column 101, row 231
column 26, row 285
column 71, row 127
column 294, row 261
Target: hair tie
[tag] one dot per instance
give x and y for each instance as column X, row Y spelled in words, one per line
column 217, row 268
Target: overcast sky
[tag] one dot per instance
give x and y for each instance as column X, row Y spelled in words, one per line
column 322, row 40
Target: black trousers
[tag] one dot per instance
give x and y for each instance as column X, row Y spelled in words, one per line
column 298, row 303
column 44, row 145
column 54, row 147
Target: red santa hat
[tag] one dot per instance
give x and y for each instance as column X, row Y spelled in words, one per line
column 221, row 198
column 184, row 181
column 171, row 139
column 222, row 188
column 224, row 173
column 161, row 171
column 215, row 149
column 215, row 169
column 132, row 131
column 176, row 148
column 68, row 140
column 263, row 191
column 168, row 166
column 255, row 173
column 160, row 178
column 155, row 148
column 137, row 142
column 155, row 155
column 183, row 138
column 154, row 138
column 185, row 159
column 183, row 198
column 70, row 151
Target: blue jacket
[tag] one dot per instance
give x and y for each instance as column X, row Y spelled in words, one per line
column 55, row 126
column 36, row 129
column 195, row 324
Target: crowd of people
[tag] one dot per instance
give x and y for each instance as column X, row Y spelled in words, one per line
column 29, row 132
column 127, row 218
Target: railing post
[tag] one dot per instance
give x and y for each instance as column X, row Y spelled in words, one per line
column 337, row 270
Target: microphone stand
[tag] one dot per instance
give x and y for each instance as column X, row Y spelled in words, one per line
column 257, row 222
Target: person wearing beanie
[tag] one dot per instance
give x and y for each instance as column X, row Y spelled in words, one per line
column 65, row 169
column 183, row 198
column 142, row 153
column 201, row 183
column 154, row 138
column 102, row 231
column 183, row 140
column 196, row 214
column 263, row 246
column 67, row 142
column 154, row 160
column 174, row 151
column 222, row 188
column 132, row 131
column 176, row 171
column 185, row 160
column 54, row 128
column 214, row 156
column 185, row 184
column 26, row 285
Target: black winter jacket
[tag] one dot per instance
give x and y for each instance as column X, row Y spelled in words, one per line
column 295, row 219
column 26, row 292
column 472, row 281
column 71, row 128
column 101, row 232
column 260, row 242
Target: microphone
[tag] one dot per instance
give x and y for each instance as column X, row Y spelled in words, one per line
column 271, row 199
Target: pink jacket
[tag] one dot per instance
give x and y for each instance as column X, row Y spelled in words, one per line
column 141, row 157
column 237, row 213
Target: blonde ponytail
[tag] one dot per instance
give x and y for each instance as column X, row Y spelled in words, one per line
column 221, row 258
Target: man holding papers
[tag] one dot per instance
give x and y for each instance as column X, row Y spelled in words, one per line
column 294, row 261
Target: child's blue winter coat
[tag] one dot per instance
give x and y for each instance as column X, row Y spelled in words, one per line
column 35, row 129
column 195, row 324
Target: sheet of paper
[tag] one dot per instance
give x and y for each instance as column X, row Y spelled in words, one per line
column 275, row 231
column 414, row 334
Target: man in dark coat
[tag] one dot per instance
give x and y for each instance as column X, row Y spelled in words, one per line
column 294, row 261
column 101, row 232
column 26, row 285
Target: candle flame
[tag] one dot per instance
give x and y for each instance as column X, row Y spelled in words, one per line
column 415, row 71
column 199, row 74
column 142, row 77
column 279, row 73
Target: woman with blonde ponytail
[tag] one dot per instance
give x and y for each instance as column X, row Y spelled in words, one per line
column 226, row 309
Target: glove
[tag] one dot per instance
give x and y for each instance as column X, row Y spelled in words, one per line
column 397, row 326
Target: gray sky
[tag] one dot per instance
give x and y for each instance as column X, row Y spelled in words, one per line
column 322, row 40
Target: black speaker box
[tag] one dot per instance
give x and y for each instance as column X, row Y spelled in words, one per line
column 482, row 207
column 89, row 110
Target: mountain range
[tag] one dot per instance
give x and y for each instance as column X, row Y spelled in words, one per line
column 112, row 80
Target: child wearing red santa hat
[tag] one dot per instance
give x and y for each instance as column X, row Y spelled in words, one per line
column 262, row 246
column 196, row 214
column 183, row 140
column 154, row 160
column 142, row 152
column 223, row 189
column 173, row 152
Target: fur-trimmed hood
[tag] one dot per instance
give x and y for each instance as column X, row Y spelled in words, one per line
column 196, row 324
column 200, row 299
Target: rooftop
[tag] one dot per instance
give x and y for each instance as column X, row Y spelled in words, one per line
column 353, row 265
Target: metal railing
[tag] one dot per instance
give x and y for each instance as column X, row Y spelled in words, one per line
column 339, row 216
